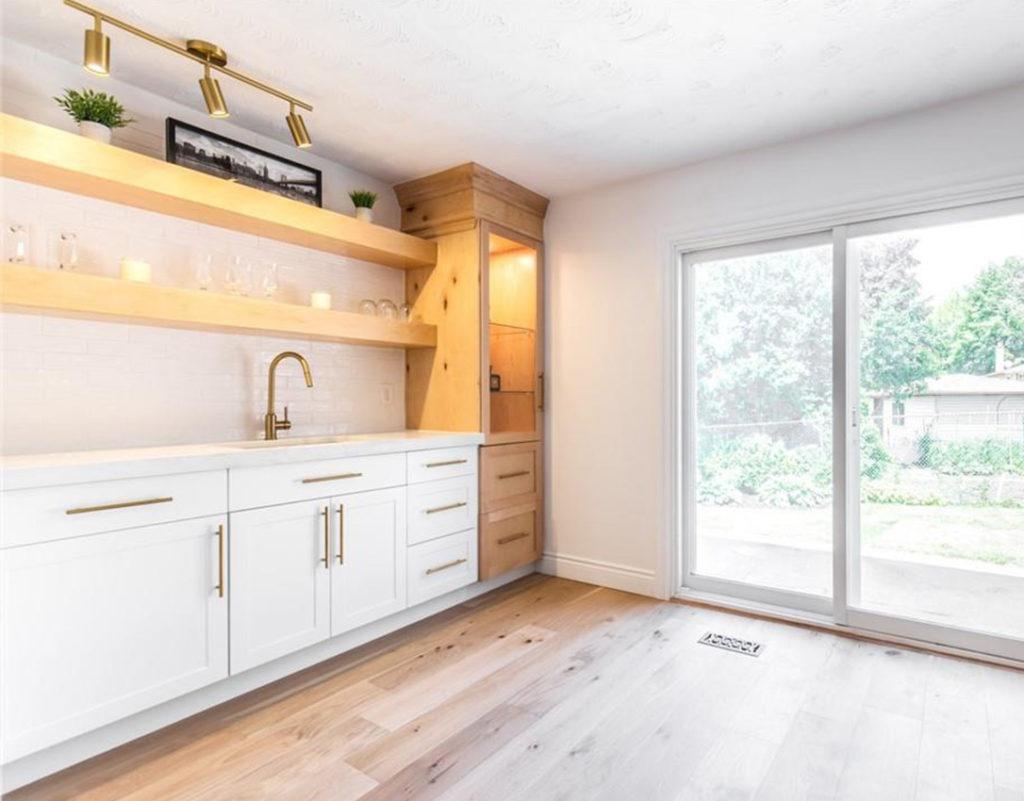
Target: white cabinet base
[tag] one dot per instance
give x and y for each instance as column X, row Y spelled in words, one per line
column 42, row 763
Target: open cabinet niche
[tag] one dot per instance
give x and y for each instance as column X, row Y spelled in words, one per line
column 512, row 339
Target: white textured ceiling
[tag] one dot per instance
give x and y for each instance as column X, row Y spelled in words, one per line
column 561, row 94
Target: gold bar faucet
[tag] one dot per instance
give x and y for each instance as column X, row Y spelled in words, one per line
column 271, row 425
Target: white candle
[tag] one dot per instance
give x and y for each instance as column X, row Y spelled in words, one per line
column 136, row 270
column 320, row 299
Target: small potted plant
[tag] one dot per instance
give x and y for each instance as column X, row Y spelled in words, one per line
column 363, row 200
column 96, row 113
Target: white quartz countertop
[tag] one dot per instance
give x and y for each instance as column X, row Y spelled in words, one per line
column 46, row 469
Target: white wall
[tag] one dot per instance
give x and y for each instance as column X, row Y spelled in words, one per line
column 608, row 258
column 70, row 384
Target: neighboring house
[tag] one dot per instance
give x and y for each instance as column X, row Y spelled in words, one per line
column 954, row 407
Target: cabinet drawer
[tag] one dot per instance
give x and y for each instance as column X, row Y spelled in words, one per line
column 253, row 487
column 509, row 474
column 442, row 565
column 509, row 538
column 71, row 510
column 441, row 463
column 441, row 507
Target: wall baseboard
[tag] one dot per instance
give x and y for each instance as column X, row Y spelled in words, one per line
column 604, row 574
column 55, row 758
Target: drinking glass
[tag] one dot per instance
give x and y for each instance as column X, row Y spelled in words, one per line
column 238, row 276
column 405, row 312
column 387, row 309
column 368, row 307
column 16, row 243
column 67, row 251
column 268, row 279
column 202, row 269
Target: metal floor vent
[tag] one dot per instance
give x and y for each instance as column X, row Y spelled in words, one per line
column 748, row 647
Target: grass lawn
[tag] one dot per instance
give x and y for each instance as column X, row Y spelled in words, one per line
column 993, row 535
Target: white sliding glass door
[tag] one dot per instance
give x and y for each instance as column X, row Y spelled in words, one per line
column 852, row 425
column 937, row 541
column 759, row 388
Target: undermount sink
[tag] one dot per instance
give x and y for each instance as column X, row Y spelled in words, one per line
column 284, row 443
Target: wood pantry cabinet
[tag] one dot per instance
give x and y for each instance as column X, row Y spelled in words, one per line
column 485, row 297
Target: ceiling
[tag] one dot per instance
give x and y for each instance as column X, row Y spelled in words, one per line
column 560, row 95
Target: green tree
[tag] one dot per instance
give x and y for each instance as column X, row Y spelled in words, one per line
column 899, row 343
column 989, row 313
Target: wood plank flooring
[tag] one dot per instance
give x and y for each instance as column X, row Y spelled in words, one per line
column 550, row 689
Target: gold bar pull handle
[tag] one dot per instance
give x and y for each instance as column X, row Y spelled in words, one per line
column 446, row 508
column 448, row 463
column 513, row 537
column 341, row 534
column 516, row 474
column 326, row 559
column 337, row 477
column 220, row 561
column 445, row 566
column 82, row 510
column 540, row 392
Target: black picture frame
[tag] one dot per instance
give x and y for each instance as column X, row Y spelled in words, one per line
column 237, row 161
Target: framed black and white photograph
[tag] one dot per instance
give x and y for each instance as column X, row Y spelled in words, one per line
column 217, row 155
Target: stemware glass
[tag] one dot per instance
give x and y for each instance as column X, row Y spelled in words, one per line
column 15, row 243
column 238, row 276
column 387, row 309
column 405, row 312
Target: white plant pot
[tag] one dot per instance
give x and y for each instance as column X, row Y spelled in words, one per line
column 364, row 214
column 94, row 130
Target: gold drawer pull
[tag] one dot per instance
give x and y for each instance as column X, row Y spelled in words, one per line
column 445, row 508
column 341, row 533
column 446, row 464
column 326, row 558
column 445, row 566
column 513, row 537
column 220, row 561
column 516, row 474
column 125, row 505
column 337, row 477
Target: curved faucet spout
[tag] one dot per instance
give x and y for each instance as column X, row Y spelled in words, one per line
column 271, row 425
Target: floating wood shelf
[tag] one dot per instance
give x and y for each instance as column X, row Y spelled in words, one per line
column 76, row 294
column 43, row 155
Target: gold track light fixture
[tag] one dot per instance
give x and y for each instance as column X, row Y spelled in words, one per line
column 212, row 58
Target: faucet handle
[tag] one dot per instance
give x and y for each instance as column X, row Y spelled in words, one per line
column 286, row 420
column 284, row 424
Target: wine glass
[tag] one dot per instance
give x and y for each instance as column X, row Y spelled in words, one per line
column 387, row 309
column 16, row 243
column 67, row 251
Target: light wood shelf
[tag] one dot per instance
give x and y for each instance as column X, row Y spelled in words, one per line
column 43, row 155
column 76, row 294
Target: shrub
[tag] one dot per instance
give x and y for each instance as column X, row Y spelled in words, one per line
column 91, row 106
column 793, row 490
column 750, row 460
column 984, row 457
column 882, row 493
column 874, row 458
column 719, row 490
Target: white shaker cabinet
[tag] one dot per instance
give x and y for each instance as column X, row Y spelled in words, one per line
column 98, row 627
column 368, row 568
column 280, row 581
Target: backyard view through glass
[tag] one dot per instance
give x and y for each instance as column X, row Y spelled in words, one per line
column 763, row 363
column 942, row 425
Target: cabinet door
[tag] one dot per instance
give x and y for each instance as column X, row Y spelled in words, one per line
column 368, row 577
column 99, row 627
column 280, row 581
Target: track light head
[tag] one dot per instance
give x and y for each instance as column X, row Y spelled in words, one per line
column 213, row 96
column 297, row 126
column 97, row 51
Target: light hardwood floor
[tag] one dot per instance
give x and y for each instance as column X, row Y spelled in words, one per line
column 550, row 689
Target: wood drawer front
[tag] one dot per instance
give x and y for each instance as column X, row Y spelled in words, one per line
column 72, row 510
column 253, row 487
column 509, row 473
column 509, row 539
column 442, row 565
column 441, row 463
column 444, row 507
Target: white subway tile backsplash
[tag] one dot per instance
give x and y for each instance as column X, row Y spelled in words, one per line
column 71, row 384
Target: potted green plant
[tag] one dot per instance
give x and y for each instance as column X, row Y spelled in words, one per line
column 363, row 200
column 96, row 113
